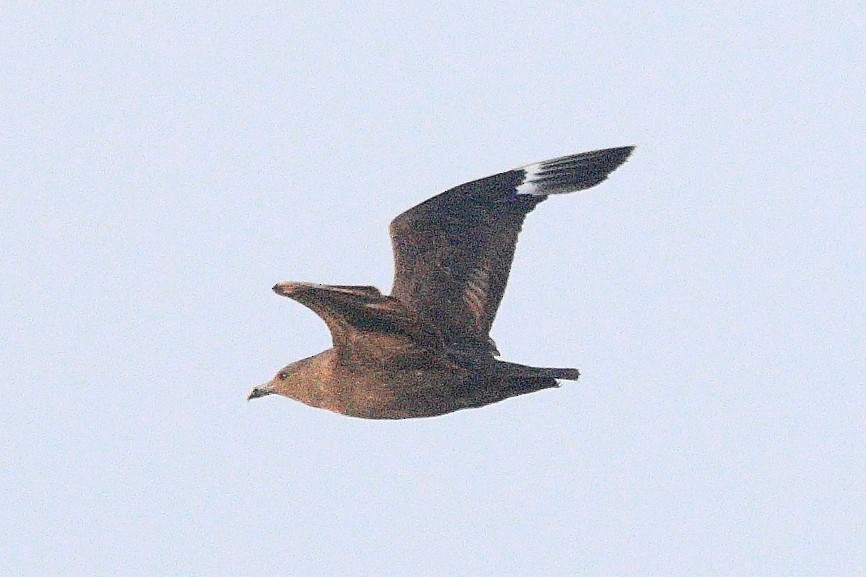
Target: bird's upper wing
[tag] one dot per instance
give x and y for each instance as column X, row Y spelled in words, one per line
column 454, row 251
column 366, row 326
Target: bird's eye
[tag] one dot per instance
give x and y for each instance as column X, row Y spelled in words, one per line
column 283, row 376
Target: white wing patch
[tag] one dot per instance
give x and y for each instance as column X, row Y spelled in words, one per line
column 530, row 178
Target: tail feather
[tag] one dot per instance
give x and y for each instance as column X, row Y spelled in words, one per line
column 523, row 371
column 565, row 374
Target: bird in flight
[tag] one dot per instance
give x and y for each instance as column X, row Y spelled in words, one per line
column 425, row 349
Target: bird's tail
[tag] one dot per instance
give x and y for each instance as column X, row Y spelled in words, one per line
column 565, row 374
column 522, row 371
column 521, row 379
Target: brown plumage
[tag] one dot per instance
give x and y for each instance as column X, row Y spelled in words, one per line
column 425, row 350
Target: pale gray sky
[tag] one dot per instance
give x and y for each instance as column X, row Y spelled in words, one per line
column 164, row 167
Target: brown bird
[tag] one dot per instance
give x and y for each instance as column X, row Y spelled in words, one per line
column 425, row 349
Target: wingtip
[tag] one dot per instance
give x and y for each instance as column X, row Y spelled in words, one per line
column 626, row 152
column 567, row 174
column 620, row 153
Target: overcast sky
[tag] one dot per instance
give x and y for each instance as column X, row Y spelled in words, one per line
column 162, row 168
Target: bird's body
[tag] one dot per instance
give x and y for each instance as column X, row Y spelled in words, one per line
column 424, row 386
column 425, row 350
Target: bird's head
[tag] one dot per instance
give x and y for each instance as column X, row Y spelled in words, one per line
column 281, row 384
column 295, row 381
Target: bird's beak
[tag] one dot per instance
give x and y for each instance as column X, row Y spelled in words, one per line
column 260, row 391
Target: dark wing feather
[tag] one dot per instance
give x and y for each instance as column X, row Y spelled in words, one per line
column 453, row 252
column 364, row 323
